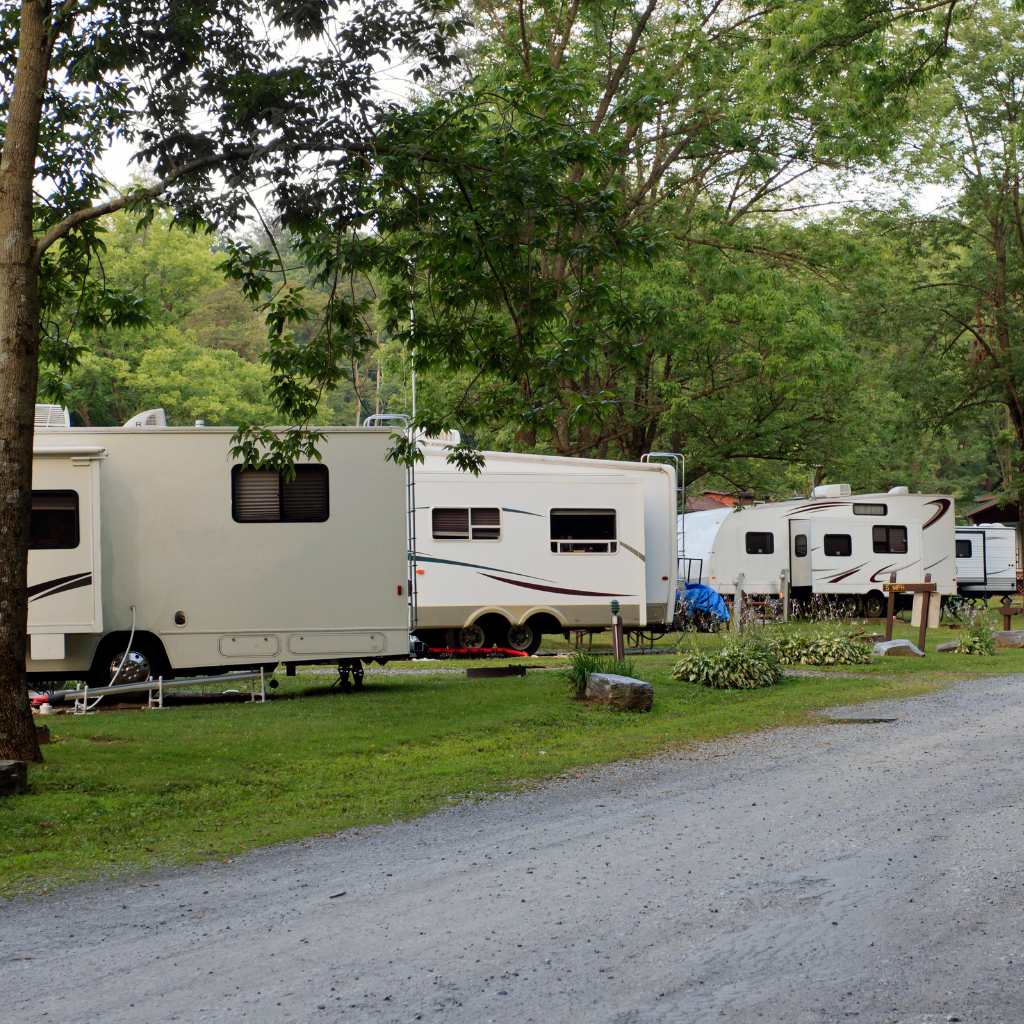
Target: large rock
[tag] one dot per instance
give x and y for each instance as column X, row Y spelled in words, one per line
column 897, row 649
column 1008, row 637
column 620, row 692
column 13, row 777
column 950, row 645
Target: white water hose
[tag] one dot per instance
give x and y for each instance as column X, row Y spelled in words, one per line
column 113, row 678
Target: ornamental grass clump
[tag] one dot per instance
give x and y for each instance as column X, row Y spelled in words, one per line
column 746, row 663
column 823, row 647
column 583, row 663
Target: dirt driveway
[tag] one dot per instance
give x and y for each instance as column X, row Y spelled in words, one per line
column 855, row 871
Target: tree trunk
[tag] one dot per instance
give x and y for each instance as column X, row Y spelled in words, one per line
column 19, row 373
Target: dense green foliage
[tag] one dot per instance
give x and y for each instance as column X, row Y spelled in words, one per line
column 828, row 646
column 747, row 662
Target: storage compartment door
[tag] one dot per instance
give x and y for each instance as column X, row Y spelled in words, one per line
column 64, row 547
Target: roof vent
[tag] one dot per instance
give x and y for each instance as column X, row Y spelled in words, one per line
column 52, row 416
column 898, row 490
column 149, row 418
column 832, row 491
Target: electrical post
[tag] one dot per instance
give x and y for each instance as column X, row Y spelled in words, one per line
column 618, row 647
column 737, row 605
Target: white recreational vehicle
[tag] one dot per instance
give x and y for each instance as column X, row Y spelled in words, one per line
column 840, row 545
column 151, row 532
column 986, row 560
column 541, row 544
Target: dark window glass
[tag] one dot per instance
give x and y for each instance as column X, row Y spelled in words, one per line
column 264, row 496
column 54, row 520
column 800, row 545
column 760, row 543
column 889, row 540
column 450, row 523
column 964, row 549
column 870, row 510
column 583, row 530
column 838, row 545
column 486, row 523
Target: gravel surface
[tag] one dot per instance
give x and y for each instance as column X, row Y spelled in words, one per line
column 798, row 875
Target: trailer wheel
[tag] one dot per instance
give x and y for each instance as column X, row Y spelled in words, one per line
column 846, row 606
column 469, row 638
column 875, row 605
column 525, row 638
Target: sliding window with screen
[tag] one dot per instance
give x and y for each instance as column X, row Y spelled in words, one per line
column 580, row 531
column 465, row 523
column 264, row 496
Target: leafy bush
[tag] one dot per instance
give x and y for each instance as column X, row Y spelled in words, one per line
column 582, row 663
column 976, row 639
column 743, row 664
column 823, row 647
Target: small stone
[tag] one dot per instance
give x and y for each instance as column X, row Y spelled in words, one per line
column 13, row 777
column 897, row 649
column 1008, row 637
column 951, row 645
column 619, row 692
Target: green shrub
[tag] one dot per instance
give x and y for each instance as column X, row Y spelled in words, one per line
column 823, row 647
column 743, row 664
column 976, row 639
column 582, row 663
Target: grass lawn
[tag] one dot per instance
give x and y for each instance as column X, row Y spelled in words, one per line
column 130, row 790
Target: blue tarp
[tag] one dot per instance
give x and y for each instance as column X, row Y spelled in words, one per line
column 701, row 598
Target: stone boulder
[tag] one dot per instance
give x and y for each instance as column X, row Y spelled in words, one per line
column 13, row 777
column 1008, row 637
column 897, row 649
column 950, row 645
column 619, row 692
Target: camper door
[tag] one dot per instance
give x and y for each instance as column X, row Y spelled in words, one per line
column 64, row 548
column 800, row 552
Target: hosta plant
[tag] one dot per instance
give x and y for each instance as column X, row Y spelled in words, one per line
column 823, row 647
column 743, row 664
column 976, row 639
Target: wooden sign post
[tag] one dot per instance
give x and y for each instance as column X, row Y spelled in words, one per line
column 1008, row 611
column 892, row 588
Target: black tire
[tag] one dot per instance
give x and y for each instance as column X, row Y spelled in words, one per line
column 146, row 659
column 525, row 638
column 875, row 605
column 847, row 606
column 469, row 638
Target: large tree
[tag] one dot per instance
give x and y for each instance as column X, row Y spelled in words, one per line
column 221, row 97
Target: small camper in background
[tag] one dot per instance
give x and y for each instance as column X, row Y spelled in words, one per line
column 987, row 558
column 837, row 546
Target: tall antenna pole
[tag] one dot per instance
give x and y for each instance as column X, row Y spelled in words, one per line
column 412, row 333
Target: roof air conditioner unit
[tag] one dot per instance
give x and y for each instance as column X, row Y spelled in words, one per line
column 149, row 418
column 52, row 416
column 899, row 490
column 832, row 491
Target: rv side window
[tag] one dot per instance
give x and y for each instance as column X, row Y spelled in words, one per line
column 964, row 549
column 838, row 545
column 264, row 496
column 54, row 520
column 800, row 545
column 889, row 540
column 760, row 543
column 486, row 523
column 576, row 531
column 466, row 523
column 870, row 510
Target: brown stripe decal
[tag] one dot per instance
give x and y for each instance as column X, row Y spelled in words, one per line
column 553, row 590
column 80, row 579
column 943, row 507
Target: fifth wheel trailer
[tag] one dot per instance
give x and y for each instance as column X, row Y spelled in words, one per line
column 541, row 544
column 839, row 545
column 214, row 566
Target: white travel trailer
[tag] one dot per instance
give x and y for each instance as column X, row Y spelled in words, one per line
column 152, row 533
column 541, row 544
column 840, row 545
column 986, row 560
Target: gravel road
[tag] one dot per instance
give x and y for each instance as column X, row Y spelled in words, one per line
column 869, row 871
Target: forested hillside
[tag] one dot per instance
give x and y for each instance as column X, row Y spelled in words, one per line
column 661, row 234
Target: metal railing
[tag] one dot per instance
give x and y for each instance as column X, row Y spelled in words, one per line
column 690, row 570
